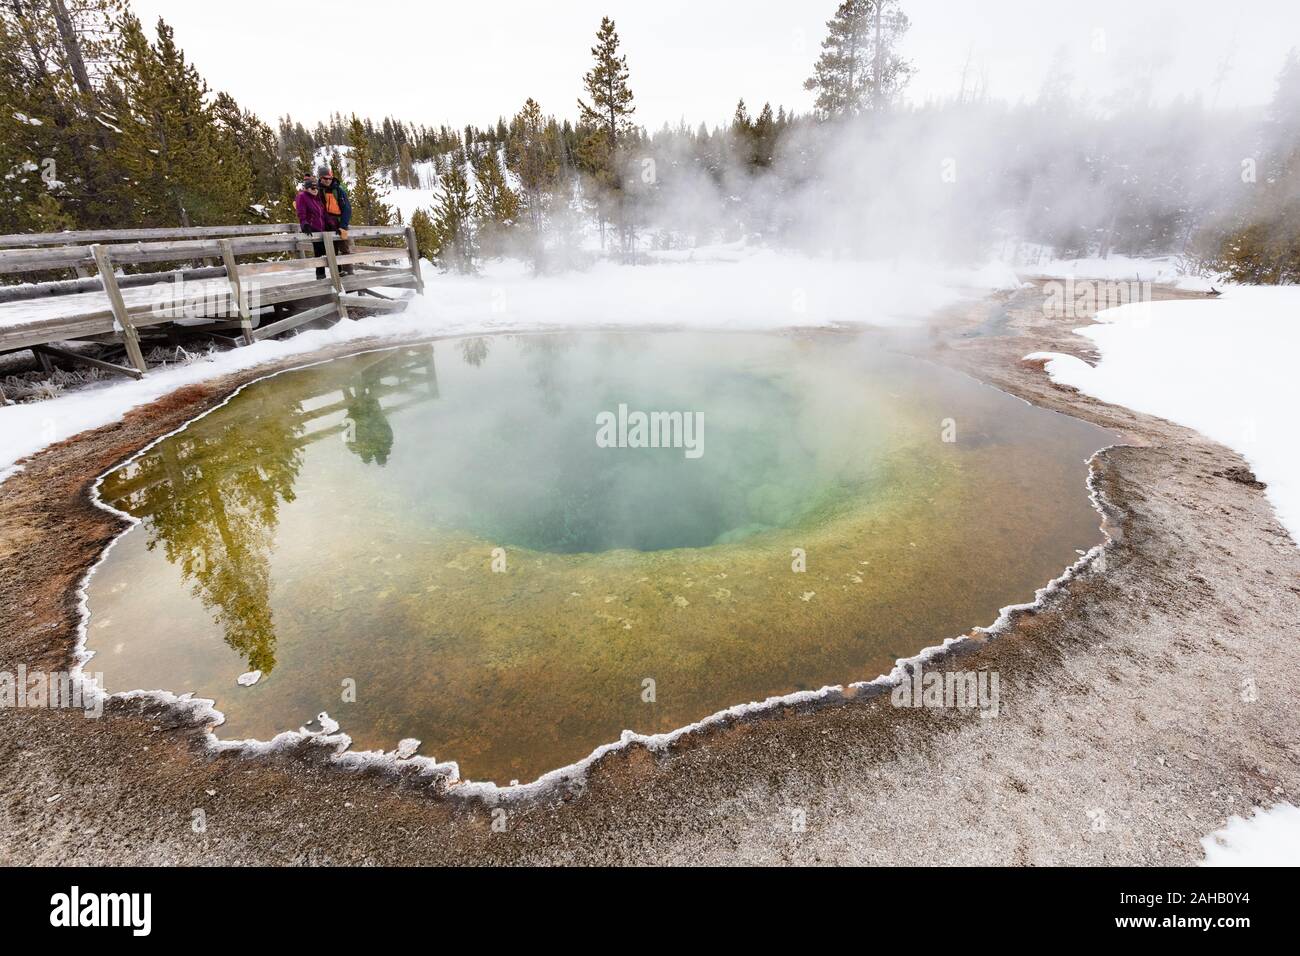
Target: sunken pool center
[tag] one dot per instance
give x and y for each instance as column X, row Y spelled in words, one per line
column 514, row 548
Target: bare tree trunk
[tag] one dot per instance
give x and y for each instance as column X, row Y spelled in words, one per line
column 850, row 92
column 878, row 67
column 72, row 49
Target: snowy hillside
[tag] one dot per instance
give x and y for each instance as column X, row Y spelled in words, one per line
column 404, row 200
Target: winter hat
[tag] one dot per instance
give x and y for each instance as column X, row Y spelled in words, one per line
column 325, row 171
column 308, row 181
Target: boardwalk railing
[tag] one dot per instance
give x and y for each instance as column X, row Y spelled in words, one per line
column 284, row 283
column 26, row 240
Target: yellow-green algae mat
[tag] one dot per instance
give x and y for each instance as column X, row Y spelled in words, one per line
column 459, row 543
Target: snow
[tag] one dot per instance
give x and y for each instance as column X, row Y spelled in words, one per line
column 1271, row 837
column 25, row 167
column 407, row 200
column 763, row 290
column 999, row 277
column 1226, row 367
column 325, row 722
column 1116, row 268
column 1039, row 260
column 721, row 252
column 324, row 156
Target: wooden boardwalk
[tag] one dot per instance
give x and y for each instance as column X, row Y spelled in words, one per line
column 240, row 284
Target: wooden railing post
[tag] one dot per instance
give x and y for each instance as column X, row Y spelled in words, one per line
column 337, row 278
column 413, row 250
column 236, row 291
column 130, row 337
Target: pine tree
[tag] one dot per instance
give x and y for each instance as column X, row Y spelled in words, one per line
column 601, row 184
column 368, row 206
column 608, row 117
column 181, row 166
column 269, row 175
column 561, row 219
column 455, row 243
column 1281, row 136
column 54, row 136
column 742, row 136
column 426, row 236
column 740, row 122
column 765, row 134
column 406, row 168
column 532, row 155
column 496, row 209
column 30, row 147
column 859, row 68
column 1262, row 244
column 606, row 84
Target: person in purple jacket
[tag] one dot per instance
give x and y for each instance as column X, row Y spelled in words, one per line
column 311, row 216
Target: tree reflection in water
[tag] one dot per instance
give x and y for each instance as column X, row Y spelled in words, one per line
column 475, row 350
column 369, row 435
column 210, row 495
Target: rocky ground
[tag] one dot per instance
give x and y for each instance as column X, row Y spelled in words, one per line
column 1146, row 700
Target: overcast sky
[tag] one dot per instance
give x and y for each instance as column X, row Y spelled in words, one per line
column 467, row 61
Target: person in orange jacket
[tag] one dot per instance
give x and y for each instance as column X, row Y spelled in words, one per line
column 338, row 211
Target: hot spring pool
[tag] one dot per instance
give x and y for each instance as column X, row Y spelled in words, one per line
column 431, row 542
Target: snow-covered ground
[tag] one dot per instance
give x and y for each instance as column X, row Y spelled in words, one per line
column 760, row 290
column 1164, row 269
column 1230, row 368
column 1037, row 260
column 1269, row 838
column 407, row 199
